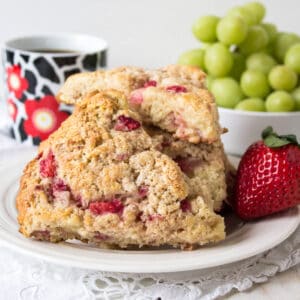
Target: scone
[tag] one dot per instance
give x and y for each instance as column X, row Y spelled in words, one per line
column 127, row 79
column 173, row 98
column 101, row 178
column 203, row 164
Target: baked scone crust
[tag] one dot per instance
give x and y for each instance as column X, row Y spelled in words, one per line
column 173, row 98
column 127, row 79
column 102, row 178
column 190, row 117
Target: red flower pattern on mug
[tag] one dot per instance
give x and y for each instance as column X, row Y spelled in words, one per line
column 12, row 109
column 43, row 117
column 15, row 82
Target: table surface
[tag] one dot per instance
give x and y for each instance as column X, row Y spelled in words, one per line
column 285, row 286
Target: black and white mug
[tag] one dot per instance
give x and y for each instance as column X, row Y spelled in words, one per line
column 34, row 69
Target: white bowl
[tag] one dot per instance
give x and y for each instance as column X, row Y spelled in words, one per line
column 246, row 127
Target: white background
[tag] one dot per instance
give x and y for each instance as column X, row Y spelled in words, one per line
column 139, row 32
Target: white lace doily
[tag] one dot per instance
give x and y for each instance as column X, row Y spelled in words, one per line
column 26, row 278
column 22, row 277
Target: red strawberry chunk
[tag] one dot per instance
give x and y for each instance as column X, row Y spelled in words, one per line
column 48, row 166
column 114, row 206
column 143, row 191
column 155, row 217
column 185, row 205
column 79, row 201
column 122, row 156
column 126, row 124
column 41, row 235
column 60, row 186
column 136, row 97
column 101, row 236
column 178, row 123
column 150, row 83
column 187, row 164
column 176, row 89
column 60, row 191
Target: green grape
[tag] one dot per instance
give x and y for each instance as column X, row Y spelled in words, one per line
column 251, row 104
column 232, row 30
column 282, row 44
column 296, row 96
column 269, row 49
column 208, row 81
column 193, row 58
column 280, row 101
column 227, row 92
column 271, row 30
column 256, row 9
column 245, row 14
column 260, row 62
column 292, row 58
column 205, row 46
column 256, row 39
column 238, row 67
column 218, row 60
column 282, row 78
column 204, row 29
column 255, row 84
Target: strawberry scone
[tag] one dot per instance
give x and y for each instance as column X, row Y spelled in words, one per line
column 100, row 178
column 127, row 79
column 173, row 98
column 203, row 164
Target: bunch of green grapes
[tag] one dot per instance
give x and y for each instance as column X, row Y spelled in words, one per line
column 249, row 64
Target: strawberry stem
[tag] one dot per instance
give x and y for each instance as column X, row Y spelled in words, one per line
column 273, row 140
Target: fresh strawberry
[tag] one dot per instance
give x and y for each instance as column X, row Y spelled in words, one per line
column 268, row 177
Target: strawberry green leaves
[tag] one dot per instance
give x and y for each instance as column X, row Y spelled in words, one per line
column 273, row 140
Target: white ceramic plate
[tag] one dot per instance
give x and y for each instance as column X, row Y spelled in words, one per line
column 243, row 240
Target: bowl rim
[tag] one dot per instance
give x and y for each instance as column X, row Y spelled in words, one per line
column 259, row 113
